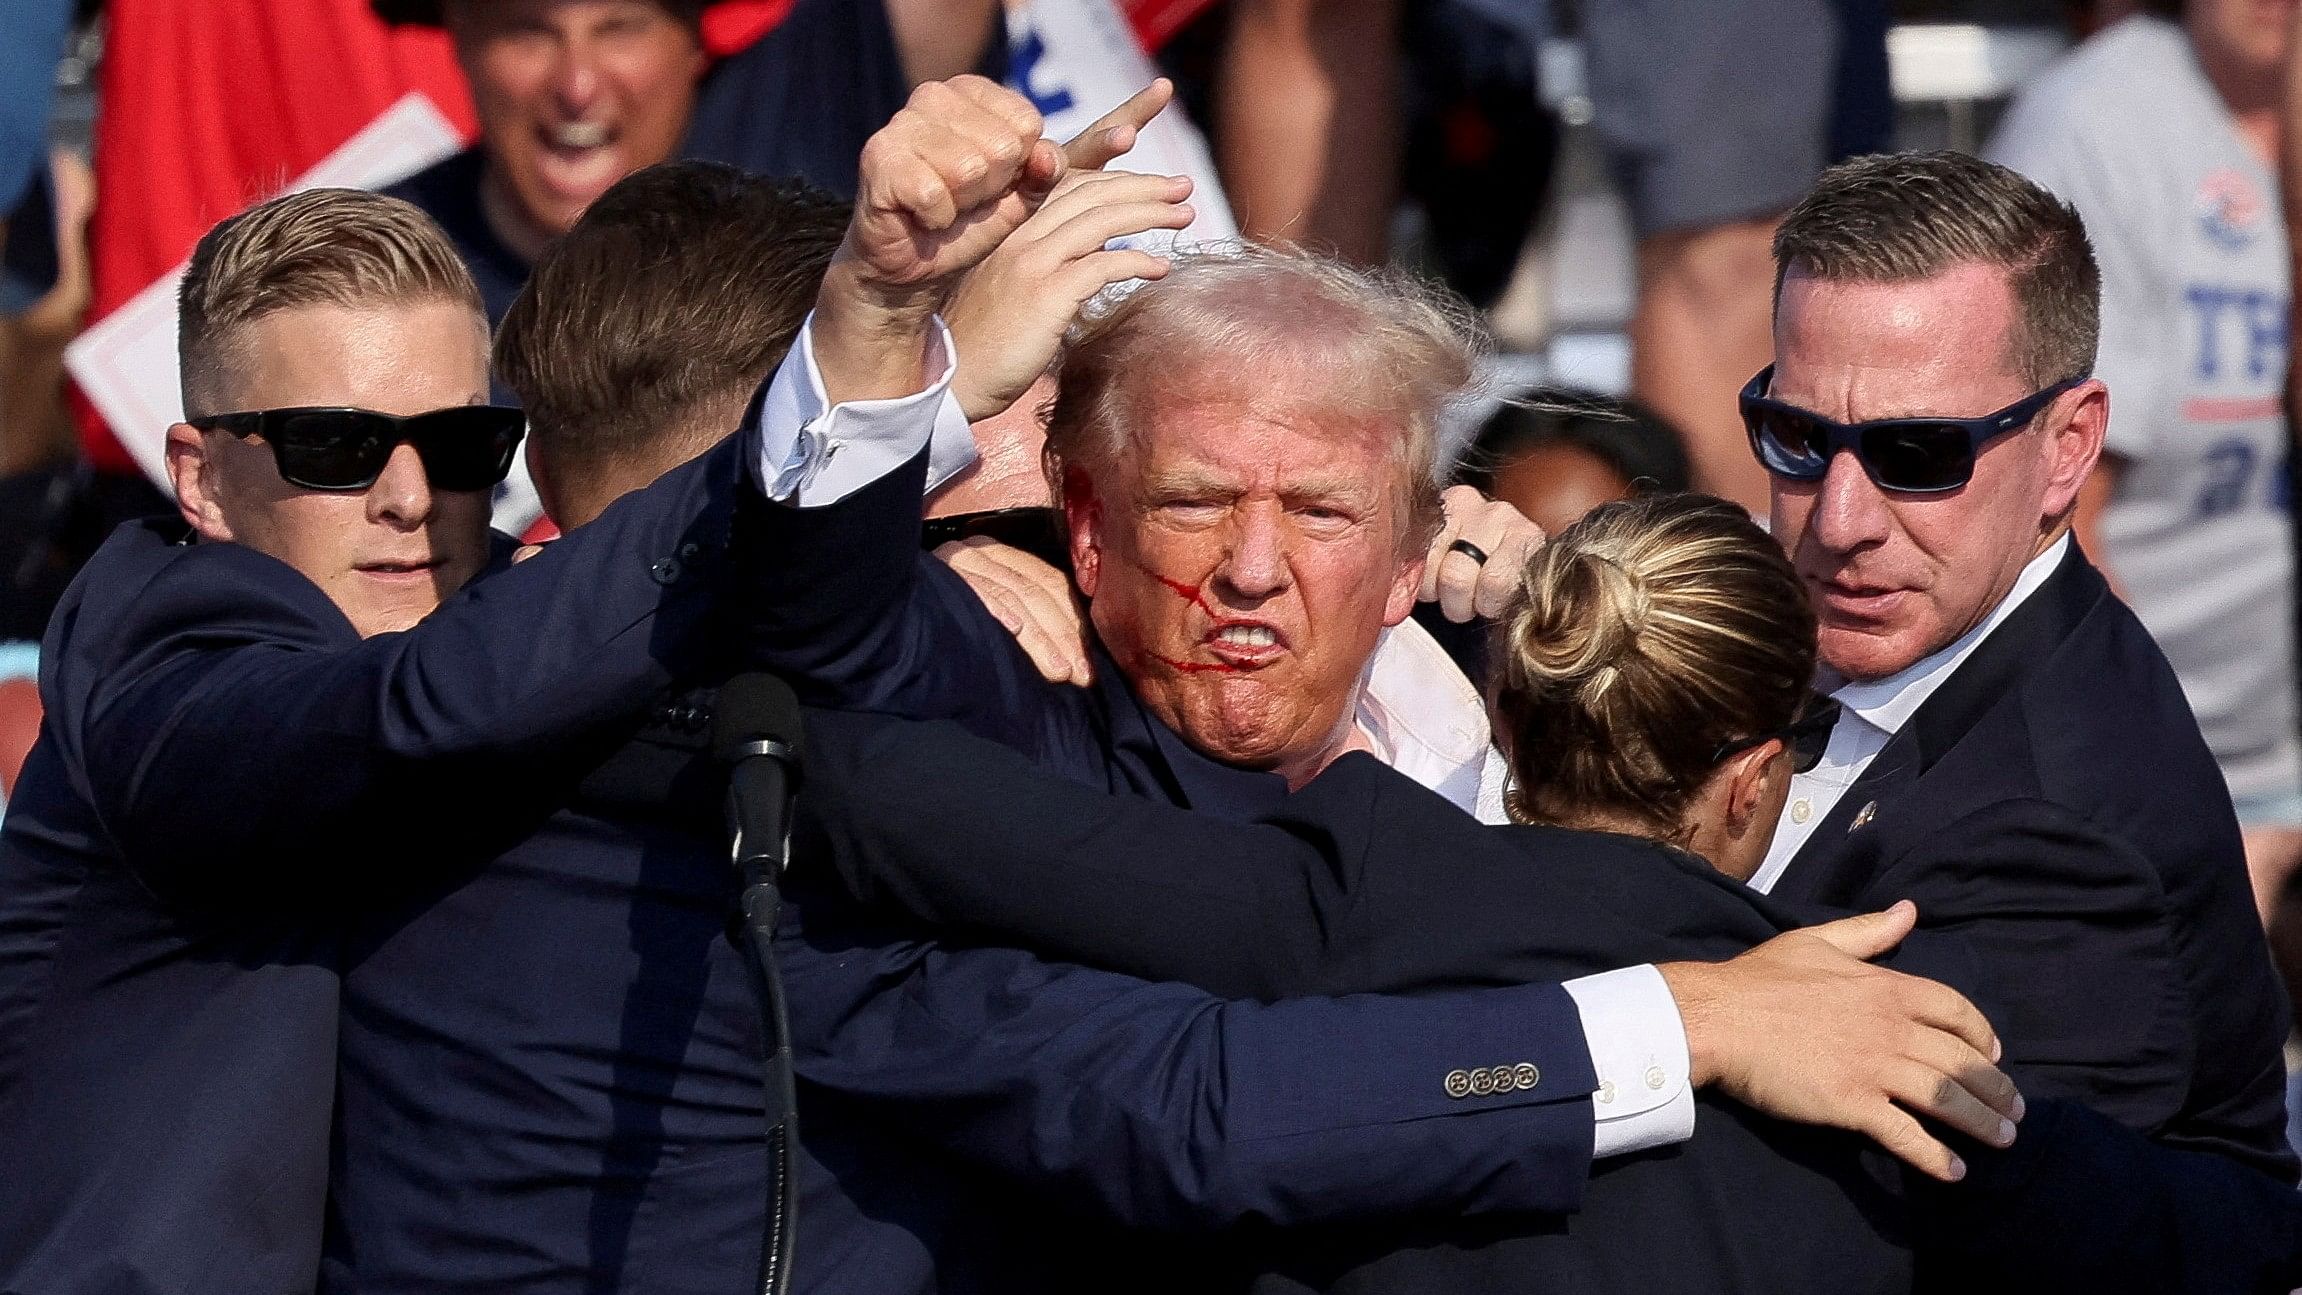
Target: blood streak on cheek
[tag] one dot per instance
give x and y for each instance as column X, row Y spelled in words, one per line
column 1192, row 594
column 1197, row 597
column 1195, row 667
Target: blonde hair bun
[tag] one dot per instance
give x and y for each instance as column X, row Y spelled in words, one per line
column 1652, row 631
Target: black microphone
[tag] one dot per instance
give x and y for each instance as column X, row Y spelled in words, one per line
column 755, row 730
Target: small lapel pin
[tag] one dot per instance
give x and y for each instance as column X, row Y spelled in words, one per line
column 1861, row 817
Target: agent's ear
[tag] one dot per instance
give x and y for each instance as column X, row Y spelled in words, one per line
column 195, row 474
column 1751, row 778
column 2077, row 422
column 1083, row 517
column 540, row 476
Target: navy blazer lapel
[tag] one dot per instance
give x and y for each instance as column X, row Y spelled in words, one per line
column 1835, row 863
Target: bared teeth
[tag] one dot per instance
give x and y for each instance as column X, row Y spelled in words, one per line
column 580, row 134
column 1249, row 635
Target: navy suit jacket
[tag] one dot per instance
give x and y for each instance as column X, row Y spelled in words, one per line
column 551, row 1081
column 223, row 771
column 1364, row 881
column 2060, row 769
column 236, row 803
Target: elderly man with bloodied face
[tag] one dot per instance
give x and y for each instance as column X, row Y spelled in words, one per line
column 1243, row 458
column 1242, row 450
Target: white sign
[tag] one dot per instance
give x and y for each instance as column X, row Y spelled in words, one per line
column 126, row 362
column 1078, row 59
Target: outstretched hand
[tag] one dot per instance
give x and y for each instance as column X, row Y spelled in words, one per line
column 1805, row 1029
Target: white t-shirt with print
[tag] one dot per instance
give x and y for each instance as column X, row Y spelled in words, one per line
column 2186, row 225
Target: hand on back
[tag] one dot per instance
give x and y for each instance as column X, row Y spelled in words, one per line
column 1805, row 1029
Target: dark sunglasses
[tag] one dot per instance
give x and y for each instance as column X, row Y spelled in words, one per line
column 1913, row 455
column 464, row 447
column 1032, row 528
column 1808, row 736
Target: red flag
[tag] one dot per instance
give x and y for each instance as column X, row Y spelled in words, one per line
column 1156, row 21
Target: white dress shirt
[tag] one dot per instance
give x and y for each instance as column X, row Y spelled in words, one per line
column 1873, row 712
column 1417, row 710
column 813, row 453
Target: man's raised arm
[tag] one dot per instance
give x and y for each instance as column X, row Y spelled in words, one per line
column 964, row 212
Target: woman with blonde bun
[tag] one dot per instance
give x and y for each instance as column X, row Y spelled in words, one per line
column 1657, row 680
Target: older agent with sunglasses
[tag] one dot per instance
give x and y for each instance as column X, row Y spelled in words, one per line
column 2008, row 726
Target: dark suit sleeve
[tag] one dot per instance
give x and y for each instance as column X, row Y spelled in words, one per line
column 1127, row 883
column 2066, row 948
column 239, row 731
column 1161, row 1106
column 2083, row 1204
column 856, row 617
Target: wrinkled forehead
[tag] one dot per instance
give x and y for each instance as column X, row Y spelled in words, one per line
column 1853, row 349
column 393, row 357
column 1266, row 442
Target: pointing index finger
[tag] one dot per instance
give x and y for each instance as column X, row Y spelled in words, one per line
column 1115, row 131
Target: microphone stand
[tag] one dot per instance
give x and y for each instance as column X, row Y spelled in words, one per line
column 760, row 865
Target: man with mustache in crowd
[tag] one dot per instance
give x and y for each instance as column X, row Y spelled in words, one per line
column 573, row 95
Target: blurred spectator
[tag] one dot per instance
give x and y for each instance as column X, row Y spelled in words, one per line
column 1480, row 142
column 1307, row 116
column 30, row 48
column 1324, row 110
column 19, row 711
column 49, row 515
column 1555, row 454
column 44, row 201
column 573, row 95
column 44, row 292
column 1716, row 115
column 2164, row 131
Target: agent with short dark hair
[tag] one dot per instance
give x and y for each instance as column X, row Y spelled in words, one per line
column 1929, row 424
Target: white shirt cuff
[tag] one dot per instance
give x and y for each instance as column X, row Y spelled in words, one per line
column 812, row 453
column 1639, row 1051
